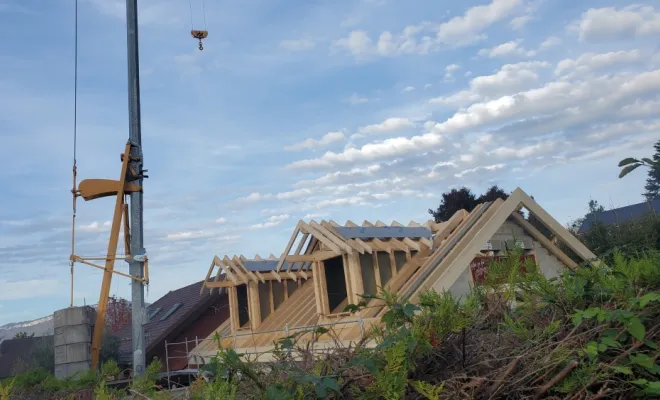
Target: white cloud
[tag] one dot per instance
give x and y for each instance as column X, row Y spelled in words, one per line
column 356, row 99
column 467, row 28
column 221, row 221
column 298, row 44
column 493, row 167
column 553, row 97
column 519, row 22
column 388, row 126
column 550, row 41
column 606, row 24
column 96, row 227
column 308, row 217
column 427, row 86
column 590, row 62
column 427, row 36
column 328, row 138
column 509, row 79
column 408, row 89
column 511, row 48
column 449, row 71
column 254, row 197
column 275, row 220
column 386, row 149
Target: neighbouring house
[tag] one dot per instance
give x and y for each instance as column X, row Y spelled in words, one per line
column 178, row 318
column 333, row 265
column 12, row 351
column 620, row 215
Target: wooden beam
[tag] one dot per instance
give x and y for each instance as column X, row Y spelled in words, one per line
column 398, row 244
column 364, row 245
column 555, row 227
column 261, row 277
column 426, row 242
column 455, row 220
column 320, row 236
column 332, row 236
column 237, row 261
column 351, row 224
column 341, row 238
column 379, row 283
column 381, row 245
column 412, row 244
column 208, row 276
column 317, row 256
column 287, row 249
column 97, row 335
column 547, row 243
column 276, row 275
column 395, row 223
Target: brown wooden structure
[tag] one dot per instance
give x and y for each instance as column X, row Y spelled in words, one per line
column 334, row 265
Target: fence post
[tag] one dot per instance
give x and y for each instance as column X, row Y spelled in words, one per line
column 234, row 340
column 167, row 364
column 286, row 329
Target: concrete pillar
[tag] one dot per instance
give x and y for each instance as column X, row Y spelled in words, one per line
column 73, row 340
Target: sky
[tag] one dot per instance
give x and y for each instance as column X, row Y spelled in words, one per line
column 326, row 109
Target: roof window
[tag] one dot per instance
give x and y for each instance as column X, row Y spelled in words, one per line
column 171, row 311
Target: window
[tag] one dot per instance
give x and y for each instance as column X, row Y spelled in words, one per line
column 152, row 313
column 171, row 311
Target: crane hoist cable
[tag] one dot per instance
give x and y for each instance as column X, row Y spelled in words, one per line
column 75, row 140
column 198, row 33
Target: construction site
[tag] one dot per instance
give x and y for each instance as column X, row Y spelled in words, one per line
column 496, row 300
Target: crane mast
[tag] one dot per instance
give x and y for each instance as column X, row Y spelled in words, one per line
column 136, row 263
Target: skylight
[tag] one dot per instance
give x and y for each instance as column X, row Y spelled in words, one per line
column 171, row 311
column 153, row 313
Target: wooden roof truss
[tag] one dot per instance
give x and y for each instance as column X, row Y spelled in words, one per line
column 334, row 244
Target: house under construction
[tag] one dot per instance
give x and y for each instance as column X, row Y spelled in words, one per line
column 327, row 266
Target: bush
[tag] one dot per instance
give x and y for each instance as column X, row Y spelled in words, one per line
column 590, row 333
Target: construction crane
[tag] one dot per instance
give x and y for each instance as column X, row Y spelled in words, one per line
column 129, row 185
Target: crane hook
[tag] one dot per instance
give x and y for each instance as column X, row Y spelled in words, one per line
column 199, row 35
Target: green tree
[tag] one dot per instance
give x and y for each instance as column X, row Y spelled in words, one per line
column 653, row 181
column 23, row 335
column 464, row 199
column 452, row 201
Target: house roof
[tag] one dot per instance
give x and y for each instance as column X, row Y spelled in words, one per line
column 167, row 314
column 621, row 214
column 11, row 350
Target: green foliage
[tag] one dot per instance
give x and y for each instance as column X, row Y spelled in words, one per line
column 23, row 335
column 429, row 391
column 6, row 389
column 110, row 369
column 145, row 384
column 464, row 199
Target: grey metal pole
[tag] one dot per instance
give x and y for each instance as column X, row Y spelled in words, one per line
column 136, row 264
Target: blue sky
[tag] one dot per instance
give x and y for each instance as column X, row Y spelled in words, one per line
column 361, row 109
